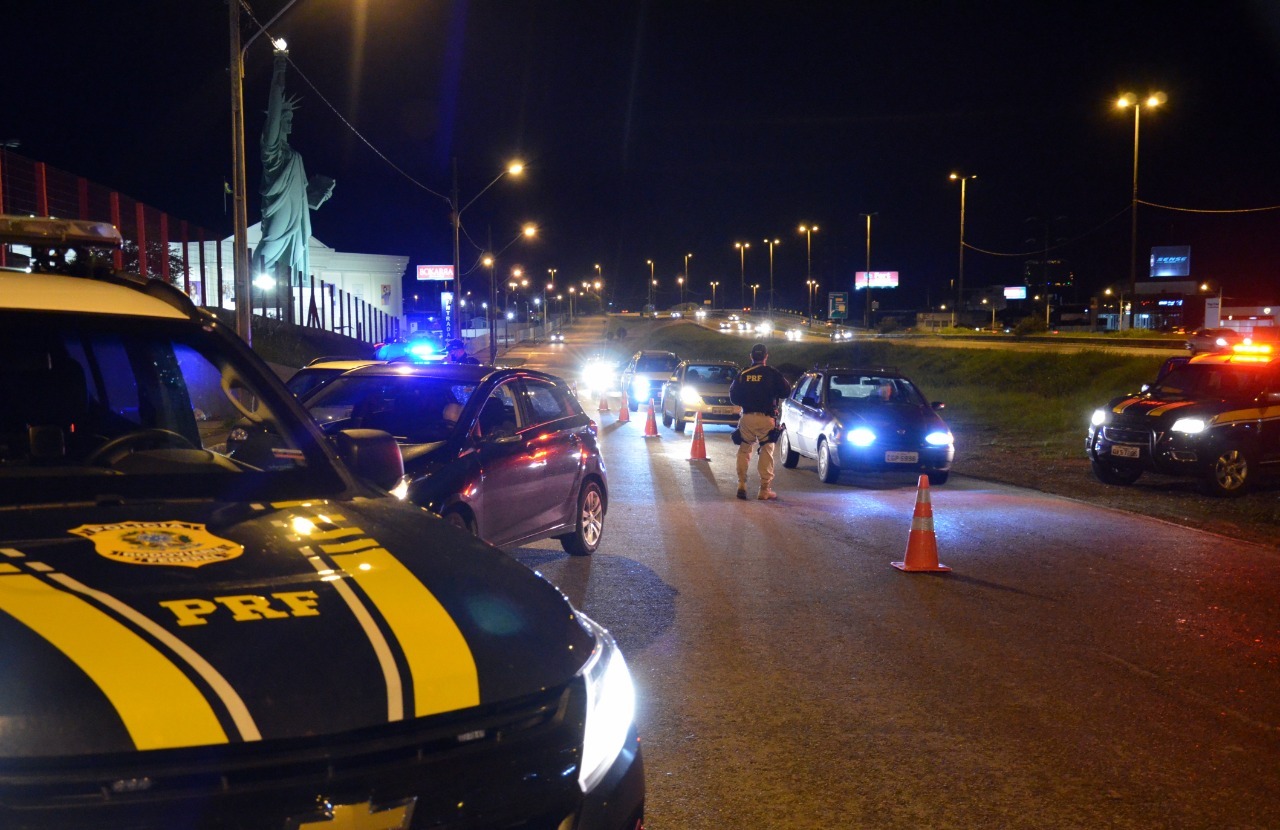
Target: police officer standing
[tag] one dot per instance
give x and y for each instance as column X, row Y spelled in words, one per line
column 456, row 352
column 757, row 390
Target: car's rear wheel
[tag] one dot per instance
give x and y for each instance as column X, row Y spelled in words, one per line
column 1230, row 474
column 1109, row 472
column 828, row 468
column 680, row 422
column 589, row 525
column 790, row 458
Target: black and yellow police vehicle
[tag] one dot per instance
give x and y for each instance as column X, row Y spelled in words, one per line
column 1214, row 418
column 192, row 640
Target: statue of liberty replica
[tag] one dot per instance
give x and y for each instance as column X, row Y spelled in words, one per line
column 288, row 197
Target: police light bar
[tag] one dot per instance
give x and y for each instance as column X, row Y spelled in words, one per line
column 48, row 232
column 1250, row 348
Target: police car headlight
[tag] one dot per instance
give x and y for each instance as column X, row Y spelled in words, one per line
column 689, row 395
column 861, row 437
column 611, row 705
column 1099, row 417
column 1191, row 426
column 401, row 490
column 939, row 438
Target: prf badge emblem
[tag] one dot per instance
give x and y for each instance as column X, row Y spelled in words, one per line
column 178, row 544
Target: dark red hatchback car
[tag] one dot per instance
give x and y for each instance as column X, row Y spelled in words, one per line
column 507, row 454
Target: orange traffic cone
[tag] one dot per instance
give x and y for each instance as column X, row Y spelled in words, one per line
column 604, row 402
column 651, row 426
column 624, row 409
column 922, row 545
column 698, row 449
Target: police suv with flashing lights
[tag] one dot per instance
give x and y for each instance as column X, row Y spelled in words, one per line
column 1215, row 418
column 193, row 641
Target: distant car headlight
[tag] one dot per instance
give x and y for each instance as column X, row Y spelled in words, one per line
column 1099, row 417
column 938, row 438
column 611, row 705
column 861, row 437
column 595, row 376
column 689, row 395
column 1191, row 426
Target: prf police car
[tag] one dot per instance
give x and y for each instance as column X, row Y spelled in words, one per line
column 1215, row 418
column 192, row 641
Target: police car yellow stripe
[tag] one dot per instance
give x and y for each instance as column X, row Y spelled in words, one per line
column 159, row 706
column 439, row 659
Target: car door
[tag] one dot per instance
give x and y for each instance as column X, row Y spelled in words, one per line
column 796, row 414
column 552, row 453
column 505, row 501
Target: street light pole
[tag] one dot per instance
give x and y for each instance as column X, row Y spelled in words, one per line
column 754, row 287
column 714, row 283
column 867, row 322
column 686, row 276
column 960, row 275
column 1131, row 100
column 770, row 243
column 742, row 272
column 809, row 231
column 652, row 283
column 455, row 215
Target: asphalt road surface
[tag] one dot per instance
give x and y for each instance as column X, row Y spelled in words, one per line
column 1078, row 668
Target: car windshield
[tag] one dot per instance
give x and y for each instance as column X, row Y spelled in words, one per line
column 304, row 380
column 710, row 374
column 416, row 409
column 97, row 406
column 863, row 388
column 1192, row 381
column 656, row 363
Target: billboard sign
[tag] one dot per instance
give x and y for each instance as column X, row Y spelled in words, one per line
column 1171, row 261
column 1015, row 292
column 435, row 272
column 838, row 305
column 876, row 279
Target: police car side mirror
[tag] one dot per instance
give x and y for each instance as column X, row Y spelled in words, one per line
column 371, row 454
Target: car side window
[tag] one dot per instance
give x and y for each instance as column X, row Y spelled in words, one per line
column 802, row 389
column 546, row 402
column 499, row 415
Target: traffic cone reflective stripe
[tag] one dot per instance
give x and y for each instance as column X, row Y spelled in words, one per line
column 624, row 409
column 651, row 426
column 698, row 449
column 922, row 544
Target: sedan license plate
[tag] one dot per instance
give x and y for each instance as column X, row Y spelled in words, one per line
column 1121, row 451
column 901, row 458
column 722, row 410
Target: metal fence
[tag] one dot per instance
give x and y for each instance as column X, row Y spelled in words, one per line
column 159, row 246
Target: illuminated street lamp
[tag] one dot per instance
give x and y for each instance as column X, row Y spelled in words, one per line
column 1131, row 100
column 742, row 269
column 515, row 168
column 813, row 286
column 754, row 288
column 770, row 243
column 680, row 282
column 958, row 177
column 686, row 266
column 714, row 283
column 985, row 301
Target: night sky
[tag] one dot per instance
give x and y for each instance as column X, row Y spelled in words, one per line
column 655, row 129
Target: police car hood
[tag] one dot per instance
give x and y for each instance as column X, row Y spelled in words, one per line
column 162, row 626
column 1147, row 408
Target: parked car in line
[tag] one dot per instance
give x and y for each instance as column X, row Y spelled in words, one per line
column 505, row 454
column 1214, row 418
column 643, row 376
column 190, row 640
column 700, row 387
column 1204, row 340
column 868, row 420
column 320, row 371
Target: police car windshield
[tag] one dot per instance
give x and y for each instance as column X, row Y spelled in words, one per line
column 99, row 406
column 1195, row 381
